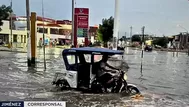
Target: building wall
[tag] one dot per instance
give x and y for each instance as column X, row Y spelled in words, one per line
column 183, row 40
column 81, row 40
column 5, row 25
column 66, row 26
column 19, row 37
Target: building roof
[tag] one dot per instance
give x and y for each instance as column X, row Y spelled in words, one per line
column 39, row 18
column 67, row 22
column 49, row 25
column 93, row 29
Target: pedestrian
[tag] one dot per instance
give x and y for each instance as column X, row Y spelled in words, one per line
column 90, row 44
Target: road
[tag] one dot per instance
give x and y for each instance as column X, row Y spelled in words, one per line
column 163, row 81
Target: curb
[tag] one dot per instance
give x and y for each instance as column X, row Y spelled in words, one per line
column 13, row 51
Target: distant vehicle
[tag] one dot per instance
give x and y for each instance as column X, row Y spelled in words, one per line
column 83, row 73
column 148, row 48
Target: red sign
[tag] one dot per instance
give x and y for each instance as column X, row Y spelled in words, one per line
column 81, row 11
column 81, row 18
column 82, row 21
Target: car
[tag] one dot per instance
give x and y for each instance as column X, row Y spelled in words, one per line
column 148, row 48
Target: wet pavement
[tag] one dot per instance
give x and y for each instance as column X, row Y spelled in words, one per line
column 163, row 81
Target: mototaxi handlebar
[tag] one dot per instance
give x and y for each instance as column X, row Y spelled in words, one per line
column 119, row 73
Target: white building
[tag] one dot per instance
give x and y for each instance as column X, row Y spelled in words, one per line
column 59, row 30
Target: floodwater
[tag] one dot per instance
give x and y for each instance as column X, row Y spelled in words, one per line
column 163, row 80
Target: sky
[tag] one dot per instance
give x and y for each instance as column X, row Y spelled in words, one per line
column 160, row 17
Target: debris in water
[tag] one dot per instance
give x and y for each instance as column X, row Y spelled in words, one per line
column 137, row 97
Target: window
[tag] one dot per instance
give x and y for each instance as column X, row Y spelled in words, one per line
column 14, row 38
column 24, row 38
column 54, row 31
column 87, row 58
column 61, row 32
column 40, row 30
column 97, row 58
column 21, row 38
column 71, row 59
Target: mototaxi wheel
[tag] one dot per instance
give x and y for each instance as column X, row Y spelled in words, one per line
column 130, row 90
column 62, row 83
column 96, row 87
column 133, row 90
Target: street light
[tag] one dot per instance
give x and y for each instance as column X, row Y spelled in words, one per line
column 182, row 28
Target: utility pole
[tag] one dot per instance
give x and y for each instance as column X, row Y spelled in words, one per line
column 188, row 49
column 125, row 39
column 188, row 42
column 73, row 11
column 116, row 24
column 11, row 25
column 125, row 36
column 33, row 39
column 142, row 55
column 142, row 41
column 43, row 38
column 28, row 33
column 131, row 28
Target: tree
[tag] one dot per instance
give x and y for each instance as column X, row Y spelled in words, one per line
column 161, row 41
column 136, row 38
column 4, row 13
column 123, row 38
column 105, row 31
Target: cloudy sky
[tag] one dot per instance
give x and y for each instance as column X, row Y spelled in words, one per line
column 158, row 16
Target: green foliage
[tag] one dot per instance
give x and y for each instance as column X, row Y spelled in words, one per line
column 105, row 31
column 136, row 38
column 161, row 41
column 99, row 36
column 123, row 38
column 4, row 13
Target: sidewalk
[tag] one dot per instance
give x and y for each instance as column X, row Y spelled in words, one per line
column 163, row 49
column 24, row 50
column 20, row 50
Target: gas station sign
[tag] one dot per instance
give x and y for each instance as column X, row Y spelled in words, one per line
column 81, row 24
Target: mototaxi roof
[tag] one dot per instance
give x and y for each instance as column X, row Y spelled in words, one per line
column 92, row 50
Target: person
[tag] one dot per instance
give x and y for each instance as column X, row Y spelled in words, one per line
column 1, row 42
column 90, row 44
column 103, row 73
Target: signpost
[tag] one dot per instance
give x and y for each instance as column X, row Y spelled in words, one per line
column 81, row 24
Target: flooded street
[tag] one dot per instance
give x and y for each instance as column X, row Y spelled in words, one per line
column 163, row 80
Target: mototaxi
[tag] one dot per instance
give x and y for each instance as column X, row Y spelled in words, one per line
column 81, row 71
